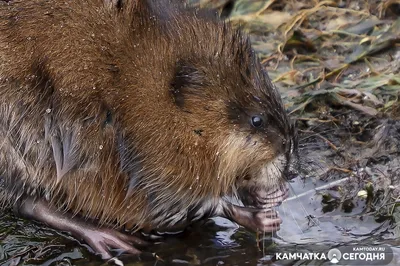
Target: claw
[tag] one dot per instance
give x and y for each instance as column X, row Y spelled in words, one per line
column 115, row 261
column 101, row 240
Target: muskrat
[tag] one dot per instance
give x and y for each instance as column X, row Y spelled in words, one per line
column 136, row 115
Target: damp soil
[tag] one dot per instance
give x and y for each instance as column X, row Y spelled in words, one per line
column 337, row 66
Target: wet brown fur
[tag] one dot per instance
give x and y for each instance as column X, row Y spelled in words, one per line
column 124, row 113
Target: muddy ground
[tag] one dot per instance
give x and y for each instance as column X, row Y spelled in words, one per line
column 337, row 65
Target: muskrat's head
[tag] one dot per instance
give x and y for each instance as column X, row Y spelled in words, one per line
column 215, row 125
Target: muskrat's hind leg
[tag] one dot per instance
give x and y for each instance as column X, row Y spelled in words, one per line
column 99, row 239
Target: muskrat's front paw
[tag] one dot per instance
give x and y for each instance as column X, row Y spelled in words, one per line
column 102, row 240
column 265, row 221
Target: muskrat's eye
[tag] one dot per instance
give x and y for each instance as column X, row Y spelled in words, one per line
column 256, row 121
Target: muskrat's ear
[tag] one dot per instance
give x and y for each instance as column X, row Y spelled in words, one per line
column 114, row 3
column 187, row 79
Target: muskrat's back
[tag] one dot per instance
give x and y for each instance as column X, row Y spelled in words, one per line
column 136, row 114
column 60, row 86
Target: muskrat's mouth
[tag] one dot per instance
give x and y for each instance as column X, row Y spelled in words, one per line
column 261, row 198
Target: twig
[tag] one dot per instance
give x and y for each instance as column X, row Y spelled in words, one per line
column 324, row 187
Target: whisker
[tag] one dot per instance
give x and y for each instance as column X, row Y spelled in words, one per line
column 295, row 197
column 295, row 221
column 263, row 244
column 315, row 134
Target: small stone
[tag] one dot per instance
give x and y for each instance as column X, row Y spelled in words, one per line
column 362, row 194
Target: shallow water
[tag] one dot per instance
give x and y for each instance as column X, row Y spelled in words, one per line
column 218, row 242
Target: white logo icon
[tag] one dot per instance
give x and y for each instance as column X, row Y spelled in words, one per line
column 334, row 255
